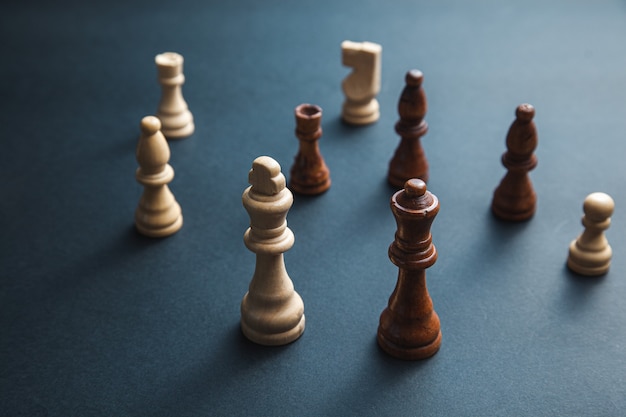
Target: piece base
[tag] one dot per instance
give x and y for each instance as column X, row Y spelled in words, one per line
column 162, row 231
column 510, row 216
column 179, row 133
column 587, row 271
column 360, row 119
column 309, row 189
column 274, row 339
column 360, row 114
column 409, row 353
column 588, row 262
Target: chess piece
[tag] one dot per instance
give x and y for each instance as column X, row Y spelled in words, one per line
column 176, row 119
column 309, row 173
column 515, row 199
column 158, row 213
column 409, row 160
column 409, row 327
column 272, row 313
column 362, row 85
column 590, row 254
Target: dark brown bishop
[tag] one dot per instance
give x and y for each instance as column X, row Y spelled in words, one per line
column 409, row 160
column 514, row 199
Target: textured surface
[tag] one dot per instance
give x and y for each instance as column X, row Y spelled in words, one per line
column 98, row 321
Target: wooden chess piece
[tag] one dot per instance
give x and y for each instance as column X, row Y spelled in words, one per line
column 309, row 173
column 514, row 199
column 158, row 213
column 409, row 327
column 362, row 85
column 272, row 313
column 176, row 119
column 590, row 254
column 409, row 160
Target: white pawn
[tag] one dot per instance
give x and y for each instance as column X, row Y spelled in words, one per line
column 363, row 84
column 158, row 213
column 272, row 313
column 590, row 254
column 176, row 119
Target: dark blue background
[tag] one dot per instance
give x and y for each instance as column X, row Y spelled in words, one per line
column 96, row 320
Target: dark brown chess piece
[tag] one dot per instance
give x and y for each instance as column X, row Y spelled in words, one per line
column 409, row 327
column 409, row 160
column 309, row 173
column 515, row 199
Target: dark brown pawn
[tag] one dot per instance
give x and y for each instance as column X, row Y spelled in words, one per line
column 409, row 161
column 309, row 173
column 409, row 327
column 515, row 199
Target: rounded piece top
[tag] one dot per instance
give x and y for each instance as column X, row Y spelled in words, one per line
column 414, row 198
column 598, row 206
column 525, row 112
column 415, row 187
column 268, row 164
column 168, row 59
column 414, row 78
column 150, row 125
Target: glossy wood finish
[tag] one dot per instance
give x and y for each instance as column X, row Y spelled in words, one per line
column 514, row 199
column 590, row 254
column 409, row 160
column 158, row 213
column 409, row 327
column 309, row 173
column 272, row 312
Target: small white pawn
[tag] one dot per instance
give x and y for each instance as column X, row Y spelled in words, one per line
column 176, row 119
column 272, row 313
column 363, row 84
column 590, row 254
column 158, row 213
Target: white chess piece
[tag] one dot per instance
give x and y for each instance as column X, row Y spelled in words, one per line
column 590, row 254
column 272, row 313
column 158, row 213
column 176, row 119
column 363, row 84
